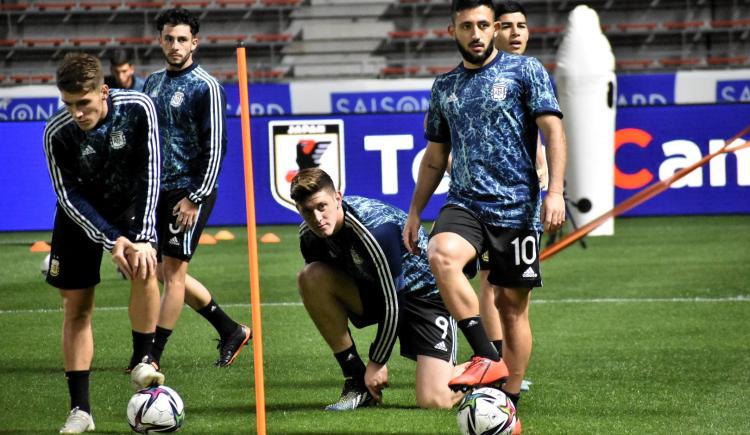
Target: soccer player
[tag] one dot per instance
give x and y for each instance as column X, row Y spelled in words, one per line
column 486, row 112
column 123, row 72
column 357, row 269
column 103, row 156
column 191, row 108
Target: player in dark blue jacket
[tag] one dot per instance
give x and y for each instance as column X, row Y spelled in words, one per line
column 191, row 106
column 103, row 157
column 357, row 269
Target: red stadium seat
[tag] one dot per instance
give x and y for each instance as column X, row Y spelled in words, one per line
column 266, row 74
column 41, row 78
column 13, row 7
column 435, row 70
column 550, row 66
column 90, row 41
column 144, row 5
column 726, row 60
column 281, row 2
column 546, row 30
column 50, row 6
column 272, row 37
column 683, row 25
column 636, row 26
column 8, row 42
column 441, row 33
column 225, row 38
column 730, row 24
column 225, row 3
column 407, row 34
column 679, row 62
column 32, row 42
column 191, row 4
column 399, row 70
column 225, row 75
column 112, row 5
column 137, row 40
column 634, row 63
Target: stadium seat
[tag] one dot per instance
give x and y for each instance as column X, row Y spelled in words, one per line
column 111, row 5
column 266, row 74
column 272, row 37
column 683, row 25
column 625, row 27
column 679, row 62
column 8, row 42
column 407, row 34
column 726, row 60
column 43, row 6
column 137, row 40
column 13, row 7
column 33, row 42
column 191, row 4
column 399, row 71
column 31, row 78
column 441, row 33
column 634, row 63
column 225, row 38
column 437, row 69
column 225, row 75
column 77, row 42
column 144, row 5
column 546, row 30
column 280, row 2
column 550, row 66
column 225, row 3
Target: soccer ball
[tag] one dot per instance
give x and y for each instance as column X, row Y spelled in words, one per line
column 156, row 409
column 486, row 411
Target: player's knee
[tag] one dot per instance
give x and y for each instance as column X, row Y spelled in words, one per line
column 310, row 277
column 436, row 400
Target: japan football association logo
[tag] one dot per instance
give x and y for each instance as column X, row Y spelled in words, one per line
column 117, row 140
column 499, row 90
column 296, row 145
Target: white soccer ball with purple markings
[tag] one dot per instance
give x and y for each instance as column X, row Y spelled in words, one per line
column 156, row 409
column 486, row 411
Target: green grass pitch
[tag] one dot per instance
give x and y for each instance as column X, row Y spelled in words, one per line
column 647, row 331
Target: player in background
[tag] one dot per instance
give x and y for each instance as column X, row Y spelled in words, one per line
column 103, row 156
column 122, row 71
column 486, row 113
column 357, row 269
column 191, row 106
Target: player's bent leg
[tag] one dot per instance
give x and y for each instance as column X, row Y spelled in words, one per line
column 175, row 271
column 448, row 253
column 328, row 295
column 517, row 329
column 77, row 336
column 487, row 310
column 144, row 304
column 432, row 389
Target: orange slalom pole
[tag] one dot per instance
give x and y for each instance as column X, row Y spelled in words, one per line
column 641, row 197
column 252, row 243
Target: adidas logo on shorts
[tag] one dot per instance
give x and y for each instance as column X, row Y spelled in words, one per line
column 174, row 241
column 529, row 273
column 441, row 346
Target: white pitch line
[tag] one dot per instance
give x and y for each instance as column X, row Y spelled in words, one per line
column 739, row 298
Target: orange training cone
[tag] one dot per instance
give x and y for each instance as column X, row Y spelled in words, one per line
column 224, row 235
column 40, row 246
column 270, row 238
column 207, row 239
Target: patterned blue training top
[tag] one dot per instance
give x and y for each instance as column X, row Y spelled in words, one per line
column 370, row 249
column 191, row 107
column 488, row 116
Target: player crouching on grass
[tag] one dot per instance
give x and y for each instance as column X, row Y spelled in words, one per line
column 104, row 160
column 358, row 269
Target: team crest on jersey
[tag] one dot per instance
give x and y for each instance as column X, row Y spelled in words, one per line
column 177, row 99
column 295, row 145
column 117, row 140
column 54, row 267
column 500, row 90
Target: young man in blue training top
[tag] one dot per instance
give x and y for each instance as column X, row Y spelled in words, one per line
column 486, row 113
column 357, row 269
column 191, row 106
column 103, row 156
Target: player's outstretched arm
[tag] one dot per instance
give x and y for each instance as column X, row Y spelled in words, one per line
column 553, row 207
column 431, row 171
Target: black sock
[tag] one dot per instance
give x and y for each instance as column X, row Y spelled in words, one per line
column 142, row 342
column 350, row 362
column 499, row 346
column 513, row 397
column 160, row 340
column 78, row 387
column 223, row 324
column 476, row 336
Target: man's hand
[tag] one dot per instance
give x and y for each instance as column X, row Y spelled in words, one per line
column 411, row 233
column 376, row 379
column 186, row 212
column 553, row 211
column 135, row 260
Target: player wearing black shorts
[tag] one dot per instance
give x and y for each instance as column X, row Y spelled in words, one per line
column 357, row 270
column 103, row 156
column 191, row 105
column 487, row 112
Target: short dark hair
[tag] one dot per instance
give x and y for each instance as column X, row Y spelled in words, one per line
column 460, row 5
column 308, row 182
column 509, row 7
column 176, row 16
column 119, row 57
column 79, row 72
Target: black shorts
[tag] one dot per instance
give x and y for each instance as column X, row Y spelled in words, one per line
column 512, row 254
column 426, row 327
column 75, row 259
column 172, row 241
